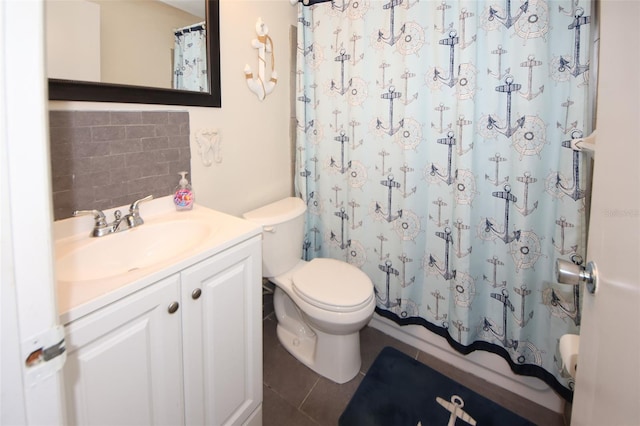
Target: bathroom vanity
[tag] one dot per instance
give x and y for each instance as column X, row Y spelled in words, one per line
column 174, row 339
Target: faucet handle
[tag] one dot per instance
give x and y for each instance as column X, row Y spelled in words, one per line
column 134, row 218
column 98, row 216
column 133, row 209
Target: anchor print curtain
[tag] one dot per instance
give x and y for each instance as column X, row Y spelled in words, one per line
column 190, row 59
column 436, row 151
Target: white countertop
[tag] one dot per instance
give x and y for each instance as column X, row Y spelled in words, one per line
column 76, row 299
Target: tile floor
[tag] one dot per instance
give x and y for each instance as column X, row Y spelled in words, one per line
column 294, row 395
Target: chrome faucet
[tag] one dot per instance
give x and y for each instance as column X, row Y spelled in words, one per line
column 102, row 228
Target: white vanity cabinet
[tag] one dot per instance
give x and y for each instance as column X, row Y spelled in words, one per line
column 136, row 362
column 124, row 361
column 222, row 337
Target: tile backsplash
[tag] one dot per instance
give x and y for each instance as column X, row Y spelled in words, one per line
column 105, row 159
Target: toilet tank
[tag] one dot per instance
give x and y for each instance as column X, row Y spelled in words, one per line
column 282, row 234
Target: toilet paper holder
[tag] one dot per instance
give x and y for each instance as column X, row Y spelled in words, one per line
column 573, row 273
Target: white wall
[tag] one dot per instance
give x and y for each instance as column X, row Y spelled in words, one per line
column 255, row 140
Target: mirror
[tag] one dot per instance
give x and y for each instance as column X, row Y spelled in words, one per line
column 81, row 89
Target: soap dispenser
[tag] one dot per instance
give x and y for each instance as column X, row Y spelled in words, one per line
column 183, row 197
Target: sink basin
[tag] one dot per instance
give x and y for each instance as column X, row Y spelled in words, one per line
column 127, row 251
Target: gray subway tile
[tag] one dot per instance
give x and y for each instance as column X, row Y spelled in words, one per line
column 107, row 133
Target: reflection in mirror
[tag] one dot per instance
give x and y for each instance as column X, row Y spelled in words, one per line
column 141, row 51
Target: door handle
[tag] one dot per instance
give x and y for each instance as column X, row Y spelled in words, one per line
column 573, row 273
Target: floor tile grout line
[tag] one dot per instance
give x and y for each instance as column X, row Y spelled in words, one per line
column 308, row 394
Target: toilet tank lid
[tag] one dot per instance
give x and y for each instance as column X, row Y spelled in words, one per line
column 277, row 212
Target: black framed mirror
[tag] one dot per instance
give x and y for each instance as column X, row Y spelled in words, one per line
column 73, row 90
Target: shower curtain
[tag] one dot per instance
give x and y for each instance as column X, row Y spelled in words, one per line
column 438, row 150
column 190, row 59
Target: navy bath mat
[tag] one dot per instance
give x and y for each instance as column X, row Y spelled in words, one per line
column 400, row 391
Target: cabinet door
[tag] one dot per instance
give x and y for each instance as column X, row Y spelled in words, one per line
column 223, row 336
column 124, row 362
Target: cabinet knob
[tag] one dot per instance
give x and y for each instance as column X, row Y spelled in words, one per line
column 195, row 294
column 173, row 307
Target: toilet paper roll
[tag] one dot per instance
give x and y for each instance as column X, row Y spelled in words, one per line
column 568, row 346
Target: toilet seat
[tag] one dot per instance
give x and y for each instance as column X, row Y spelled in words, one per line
column 333, row 285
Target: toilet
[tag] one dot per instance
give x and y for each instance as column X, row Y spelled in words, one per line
column 320, row 305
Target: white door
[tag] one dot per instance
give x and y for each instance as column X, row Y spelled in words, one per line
column 608, row 375
column 31, row 395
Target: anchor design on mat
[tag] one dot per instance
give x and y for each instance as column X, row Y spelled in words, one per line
column 455, row 407
column 499, row 75
column 567, row 126
column 494, row 281
column 509, row 19
column 530, row 63
column 497, row 159
column 488, row 326
column 342, row 138
column 344, row 217
column 460, row 226
column 526, row 179
column 389, row 183
column 489, row 227
column 508, row 129
column 392, row 37
column 573, row 190
column 260, row 86
column 562, row 223
column 388, row 269
column 450, row 41
column 353, row 204
column 448, row 241
column 450, row 141
column 342, row 58
column 577, row 68
column 436, row 315
column 391, row 95
column 405, row 259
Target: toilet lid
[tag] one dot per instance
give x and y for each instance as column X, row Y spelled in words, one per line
column 333, row 285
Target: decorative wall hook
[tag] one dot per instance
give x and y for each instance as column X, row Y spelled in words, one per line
column 260, row 86
column 208, row 146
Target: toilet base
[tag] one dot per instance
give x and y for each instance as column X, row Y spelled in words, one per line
column 336, row 357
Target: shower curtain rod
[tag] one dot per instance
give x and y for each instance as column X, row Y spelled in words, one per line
column 194, row 27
